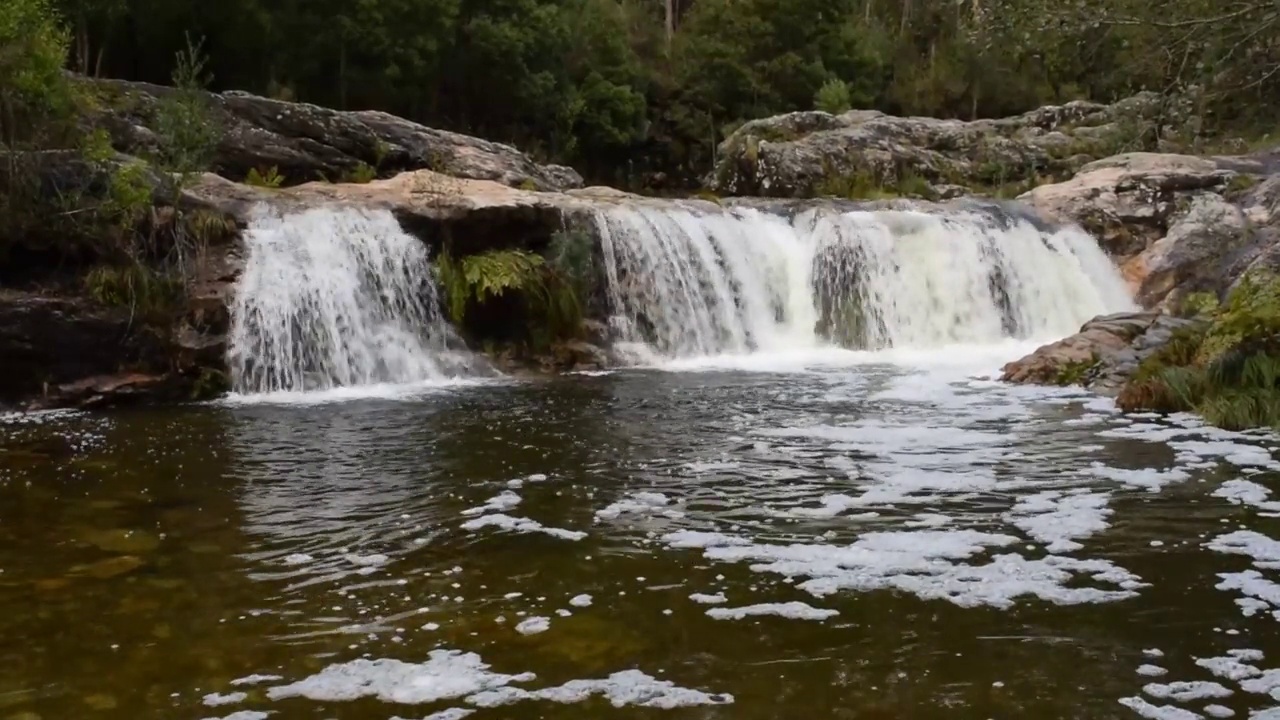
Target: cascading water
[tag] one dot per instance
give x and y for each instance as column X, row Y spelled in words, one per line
column 685, row 283
column 335, row 298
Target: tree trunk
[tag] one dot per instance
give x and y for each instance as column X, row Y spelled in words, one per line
column 671, row 19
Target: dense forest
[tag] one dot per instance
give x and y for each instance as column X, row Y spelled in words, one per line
column 639, row 92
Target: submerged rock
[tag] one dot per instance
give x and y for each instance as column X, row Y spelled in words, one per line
column 1102, row 356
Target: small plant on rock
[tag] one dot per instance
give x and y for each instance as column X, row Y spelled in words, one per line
column 833, row 97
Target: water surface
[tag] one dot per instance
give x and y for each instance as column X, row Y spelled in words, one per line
column 922, row 543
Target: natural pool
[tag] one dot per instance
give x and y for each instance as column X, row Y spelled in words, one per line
column 832, row 538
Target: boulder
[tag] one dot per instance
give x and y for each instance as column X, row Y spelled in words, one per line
column 1175, row 224
column 809, row 153
column 1102, row 356
column 307, row 142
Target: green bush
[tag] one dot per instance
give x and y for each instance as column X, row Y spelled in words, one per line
column 1227, row 370
column 833, row 97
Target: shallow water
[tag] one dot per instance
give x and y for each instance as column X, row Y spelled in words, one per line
column 922, row 543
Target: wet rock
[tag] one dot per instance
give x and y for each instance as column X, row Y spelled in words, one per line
column 1102, row 356
column 579, row 355
column 793, row 155
column 306, row 142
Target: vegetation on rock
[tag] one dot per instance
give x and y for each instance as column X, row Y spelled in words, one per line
column 519, row 299
column 636, row 91
column 1226, row 368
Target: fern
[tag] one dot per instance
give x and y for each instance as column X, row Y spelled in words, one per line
column 268, row 178
column 549, row 292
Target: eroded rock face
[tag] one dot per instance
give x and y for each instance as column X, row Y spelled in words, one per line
column 1102, row 356
column 1175, row 224
column 307, row 142
column 797, row 154
column 47, row 342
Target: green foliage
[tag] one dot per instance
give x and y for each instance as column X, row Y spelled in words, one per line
column 143, row 290
column 362, row 173
column 34, row 92
column 1228, row 369
column 185, row 120
column 1075, row 373
column 598, row 84
column 1198, row 304
column 268, row 178
column 544, row 297
column 833, row 97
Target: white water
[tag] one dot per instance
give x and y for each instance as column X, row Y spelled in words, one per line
column 337, row 298
column 685, row 285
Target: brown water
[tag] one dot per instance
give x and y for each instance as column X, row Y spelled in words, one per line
column 149, row 559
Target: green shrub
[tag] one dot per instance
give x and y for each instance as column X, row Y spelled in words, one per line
column 360, row 174
column 1227, row 370
column 185, row 120
column 833, row 97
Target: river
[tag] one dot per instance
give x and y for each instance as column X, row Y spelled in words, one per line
column 822, row 534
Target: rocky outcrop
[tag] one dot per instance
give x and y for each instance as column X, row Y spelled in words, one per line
column 1102, row 356
column 813, row 153
column 48, row 342
column 306, row 142
column 1175, row 224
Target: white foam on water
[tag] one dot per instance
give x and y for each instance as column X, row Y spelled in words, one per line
column 1149, row 479
column 451, row 674
column 256, row 679
column 520, row 525
column 791, row 610
column 337, row 298
column 1186, row 691
column 1151, row 670
column 499, row 503
column 1247, row 492
column 534, row 625
column 705, row 599
column 639, row 503
column 244, row 715
column 581, row 601
column 921, row 563
column 1057, row 518
column 448, row 714
column 738, row 288
column 1157, row 712
column 1218, row 711
column 445, row 675
column 216, row 699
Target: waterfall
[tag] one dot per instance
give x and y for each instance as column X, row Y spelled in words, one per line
column 334, row 298
column 687, row 283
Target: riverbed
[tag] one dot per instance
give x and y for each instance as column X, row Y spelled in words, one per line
column 833, row 535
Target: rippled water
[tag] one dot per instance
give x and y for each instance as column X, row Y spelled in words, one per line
column 737, row 539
